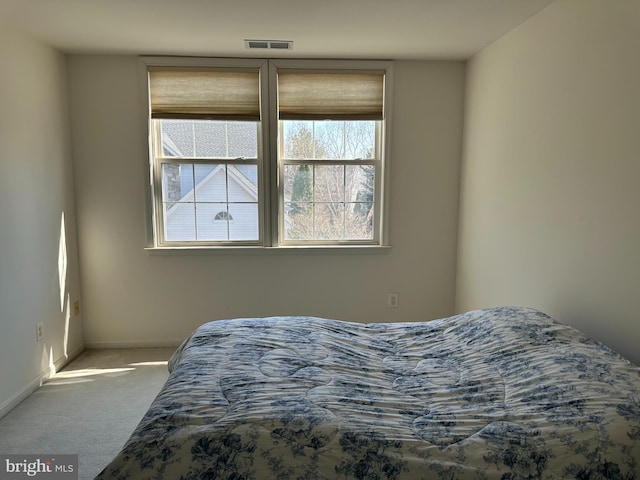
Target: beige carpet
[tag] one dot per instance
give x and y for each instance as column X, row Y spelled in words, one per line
column 89, row 408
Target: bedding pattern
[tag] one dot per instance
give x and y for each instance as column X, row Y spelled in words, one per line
column 498, row 393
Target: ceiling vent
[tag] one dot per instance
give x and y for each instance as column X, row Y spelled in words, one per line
column 269, row 44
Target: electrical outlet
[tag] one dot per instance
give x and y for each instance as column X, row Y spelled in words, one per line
column 76, row 308
column 392, row 300
column 39, row 331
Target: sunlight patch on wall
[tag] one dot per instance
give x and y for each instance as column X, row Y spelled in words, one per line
column 62, row 263
column 47, row 365
column 67, row 319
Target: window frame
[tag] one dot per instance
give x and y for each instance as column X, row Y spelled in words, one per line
column 375, row 162
column 270, row 167
column 160, row 160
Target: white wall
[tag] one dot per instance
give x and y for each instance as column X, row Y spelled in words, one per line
column 132, row 297
column 36, row 190
column 550, row 192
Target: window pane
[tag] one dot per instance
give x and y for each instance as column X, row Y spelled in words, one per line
column 209, row 138
column 329, row 221
column 298, row 221
column 179, row 222
column 360, row 183
column 299, row 142
column 242, row 140
column 359, row 221
column 329, row 202
column 221, row 221
column 242, row 183
column 243, row 221
column 177, row 138
column 177, row 197
column 212, row 221
column 211, row 183
column 222, row 206
column 329, row 183
column 177, row 182
column 298, row 183
column 328, row 139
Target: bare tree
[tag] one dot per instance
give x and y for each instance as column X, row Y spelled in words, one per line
column 328, row 200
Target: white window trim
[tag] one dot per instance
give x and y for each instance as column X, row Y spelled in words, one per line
column 269, row 196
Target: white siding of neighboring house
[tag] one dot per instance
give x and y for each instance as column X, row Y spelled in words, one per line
column 182, row 219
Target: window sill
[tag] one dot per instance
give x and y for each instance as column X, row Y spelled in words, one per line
column 251, row 250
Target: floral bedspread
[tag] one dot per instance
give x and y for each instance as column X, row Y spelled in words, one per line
column 503, row 393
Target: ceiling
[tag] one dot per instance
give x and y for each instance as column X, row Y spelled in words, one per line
column 385, row 29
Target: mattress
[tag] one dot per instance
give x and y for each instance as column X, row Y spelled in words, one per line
column 504, row 393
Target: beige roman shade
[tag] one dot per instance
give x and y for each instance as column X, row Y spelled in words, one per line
column 204, row 94
column 323, row 95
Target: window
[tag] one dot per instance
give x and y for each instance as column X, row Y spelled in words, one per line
column 267, row 153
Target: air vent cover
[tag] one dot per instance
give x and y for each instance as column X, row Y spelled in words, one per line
column 269, row 44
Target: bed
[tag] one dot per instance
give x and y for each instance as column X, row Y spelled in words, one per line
column 505, row 393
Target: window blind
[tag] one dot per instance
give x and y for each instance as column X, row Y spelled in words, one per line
column 322, row 95
column 204, row 94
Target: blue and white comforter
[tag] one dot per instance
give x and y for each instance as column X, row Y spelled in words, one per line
column 500, row 393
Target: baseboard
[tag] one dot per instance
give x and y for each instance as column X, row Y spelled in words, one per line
column 15, row 400
column 113, row 345
column 60, row 363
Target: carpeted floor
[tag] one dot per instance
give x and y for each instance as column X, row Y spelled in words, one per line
column 89, row 408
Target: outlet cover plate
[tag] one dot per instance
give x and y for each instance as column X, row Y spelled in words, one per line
column 39, row 331
column 393, row 300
